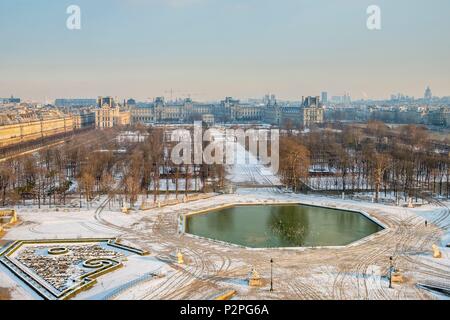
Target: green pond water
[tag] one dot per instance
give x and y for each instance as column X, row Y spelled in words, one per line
column 282, row 226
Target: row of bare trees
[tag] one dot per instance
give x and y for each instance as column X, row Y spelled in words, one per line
column 97, row 163
column 407, row 161
column 49, row 175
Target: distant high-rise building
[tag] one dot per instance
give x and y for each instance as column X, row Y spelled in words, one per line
column 336, row 99
column 324, row 97
column 269, row 99
column 428, row 94
column 346, row 99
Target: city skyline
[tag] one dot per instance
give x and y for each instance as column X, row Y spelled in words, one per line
column 171, row 96
column 212, row 49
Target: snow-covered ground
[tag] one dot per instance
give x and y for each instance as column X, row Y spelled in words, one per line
column 440, row 217
column 114, row 284
column 211, row 268
column 70, row 224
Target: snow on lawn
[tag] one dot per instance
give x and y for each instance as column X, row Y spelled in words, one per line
column 57, row 225
column 442, row 216
column 135, row 268
column 70, row 223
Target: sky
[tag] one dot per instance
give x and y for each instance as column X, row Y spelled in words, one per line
column 210, row 49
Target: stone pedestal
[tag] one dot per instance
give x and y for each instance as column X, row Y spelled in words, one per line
column 254, row 279
column 14, row 217
column 397, row 277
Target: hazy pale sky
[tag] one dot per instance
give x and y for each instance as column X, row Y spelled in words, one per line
column 218, row 48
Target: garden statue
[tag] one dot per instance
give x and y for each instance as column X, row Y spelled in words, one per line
column 436, row 252
column 180, row 258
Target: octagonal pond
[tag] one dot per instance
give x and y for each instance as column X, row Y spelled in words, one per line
column 271, row 226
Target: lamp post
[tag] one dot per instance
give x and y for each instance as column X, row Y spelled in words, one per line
column 390, row 273
column 271, row 275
